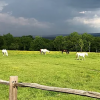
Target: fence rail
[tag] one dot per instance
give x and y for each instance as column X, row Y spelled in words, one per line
column 14, row 84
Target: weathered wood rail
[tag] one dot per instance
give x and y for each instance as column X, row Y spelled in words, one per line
column 13, row 84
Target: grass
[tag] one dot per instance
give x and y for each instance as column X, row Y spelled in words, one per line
column 52, row 69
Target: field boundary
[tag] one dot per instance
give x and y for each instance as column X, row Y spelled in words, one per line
column 13, row 84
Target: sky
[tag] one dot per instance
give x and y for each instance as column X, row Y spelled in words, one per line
column 49, row 17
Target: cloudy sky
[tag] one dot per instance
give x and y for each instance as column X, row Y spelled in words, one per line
column 49, row 17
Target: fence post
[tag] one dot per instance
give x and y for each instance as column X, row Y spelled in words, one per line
column 13, row 88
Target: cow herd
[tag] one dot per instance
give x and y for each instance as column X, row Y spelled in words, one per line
column 43, row 51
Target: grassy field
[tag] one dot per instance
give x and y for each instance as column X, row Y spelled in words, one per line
column 52, row 69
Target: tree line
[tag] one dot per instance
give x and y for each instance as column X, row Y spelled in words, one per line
column 72, row 42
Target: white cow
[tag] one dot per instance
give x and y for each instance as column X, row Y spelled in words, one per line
column 81, row 54
column 44, row 51
column 4, row 51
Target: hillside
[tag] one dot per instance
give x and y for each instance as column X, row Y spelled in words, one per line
column 53, row 36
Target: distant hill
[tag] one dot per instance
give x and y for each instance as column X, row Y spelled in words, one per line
column 54, row 36
column 95, row 34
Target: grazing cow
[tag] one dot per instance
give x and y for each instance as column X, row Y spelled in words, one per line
column 44, row 51
column 4, row 51
column 82, row 55
column 67, row 52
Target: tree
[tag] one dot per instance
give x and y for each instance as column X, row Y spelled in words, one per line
column 87, row 39
column 89, row 45
column 67, row 43
column 81, row 44
column 1, row 42
column 17, row 42
column 73, row 40
column 38, row 43
column 12, row 46
column 8, row 39
column 48, row 44
column 26, row 40
column 96, row 44
column 58, row 43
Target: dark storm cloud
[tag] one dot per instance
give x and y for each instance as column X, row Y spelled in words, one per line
column 85, row 4
column 45, row 17
column 40, row 9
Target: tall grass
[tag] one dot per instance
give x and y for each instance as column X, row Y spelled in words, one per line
column 52, row 69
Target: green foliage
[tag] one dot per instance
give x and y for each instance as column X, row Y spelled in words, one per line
column 26, row 40
column 12, row 46
column 17, row 42
column 88, row 40
column 96, row 44
column 70, row 42
column 81, row 44
column 74, row 40
column 1, row 42
column 58, row 43
column 8, row 39
column 38, row 43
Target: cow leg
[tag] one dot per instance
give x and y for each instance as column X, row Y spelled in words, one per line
column 3, row 53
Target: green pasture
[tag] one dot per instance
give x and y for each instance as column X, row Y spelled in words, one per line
column 53, row 69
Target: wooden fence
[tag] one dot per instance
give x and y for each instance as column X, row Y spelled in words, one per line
column 13, row 84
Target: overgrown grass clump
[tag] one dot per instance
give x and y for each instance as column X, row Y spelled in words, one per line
column 53, row 69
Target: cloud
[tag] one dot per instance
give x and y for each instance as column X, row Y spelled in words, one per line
column 93, row 22
column 84, row 4
column 6, row 18
column 2, row 5
column 42, row 17
column 91, row 19
column 84, row 12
